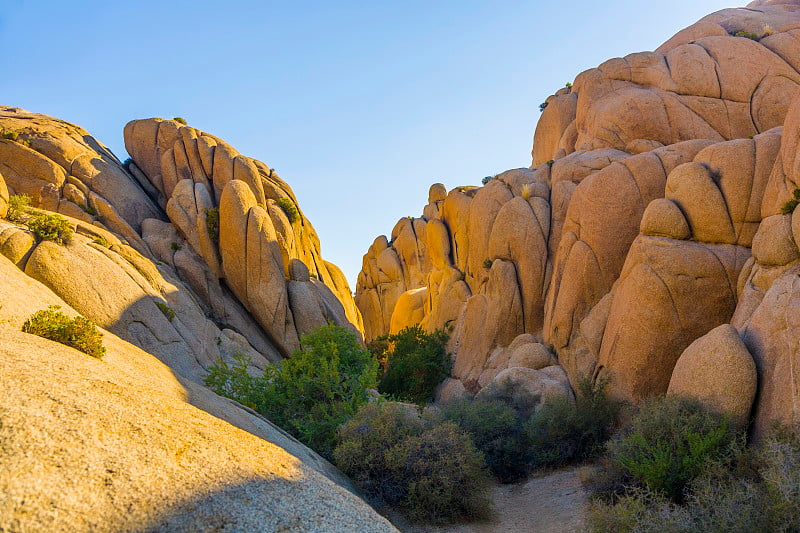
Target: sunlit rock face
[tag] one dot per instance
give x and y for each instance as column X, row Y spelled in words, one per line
column 645, row 221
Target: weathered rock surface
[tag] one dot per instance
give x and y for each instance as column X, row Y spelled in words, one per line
column 260, row 230
column 649, row 219
column 122, row 444
column 718, row 370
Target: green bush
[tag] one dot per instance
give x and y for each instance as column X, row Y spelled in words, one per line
column 487, row 263
column 79, row 332
column 542, row 106
column 417, row 363
column 497, row 430
column 166, row 310
column 561, row 432
column 10, row 135
column 50, row 227
column 486, row 179
column 180, row 120
column 749, row 489
column 667, row 444
column 747, row 35
column 212, row 223
column 790, row 205
column 17, row 207
column 89, row 210
column 289, row 208
column 174, row 246
column 311, row 393
column 127, row 164
column 426, row 467
column 102, row 241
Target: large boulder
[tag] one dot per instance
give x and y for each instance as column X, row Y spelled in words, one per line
column 718, row 370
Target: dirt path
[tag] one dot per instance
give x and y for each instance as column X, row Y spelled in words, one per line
column 551, row 503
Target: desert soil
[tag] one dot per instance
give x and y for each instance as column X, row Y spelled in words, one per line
column 555, row 502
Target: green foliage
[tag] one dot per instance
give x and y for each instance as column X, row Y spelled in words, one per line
column 747, row 35
column 212, row 223
column 417, row 363
column 10, row 135
column 542, row 106
column 486, row 179
column 667, row 444
column 561, row 432
column 127, row 164
column 790, row 205
column 175, row 246
column 550, row 162
column 428, row 468
column 102, row 241
column 89, row 210
column 17, row 207
column 568, row 85
column 79, row 332
column 289, row 208
column 50, row 227
column 180, row 120
column 748, row 489
column 487, row 263
column 497, row 430
column 166, row 310
column 311, row 393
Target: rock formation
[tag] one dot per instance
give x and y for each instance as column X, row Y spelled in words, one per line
column 124, row 444
column 649, row 218
column 134, row 441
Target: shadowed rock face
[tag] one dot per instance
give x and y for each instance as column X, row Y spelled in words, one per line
column 649, row 217
column 122, row 444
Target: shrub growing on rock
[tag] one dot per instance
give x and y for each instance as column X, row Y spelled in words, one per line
column 289, row 209
column 417, row 362
column 426, row 467
column 561, row 432
column 79, row 332
column 17, row 207
column 212, row 223
column 50, row 227
column 497, row 430
column 311, row 393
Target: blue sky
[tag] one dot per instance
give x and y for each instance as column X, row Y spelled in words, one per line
column 360, row 106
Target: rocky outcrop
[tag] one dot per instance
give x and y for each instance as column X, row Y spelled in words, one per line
column 244, row 228
column 645, row 238
column 122, row 443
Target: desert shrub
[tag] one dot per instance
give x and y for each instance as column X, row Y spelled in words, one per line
column 180, row 120
column 127, row 164
column 568, row 85
column 527, row 191
column 424, row 466
column 311, row 393
column 17, row 207
column 487, row 263
column 289, row 208
column 417, row 363
column 10, row 135
column 486, row 179
column 790, row 205
column 562, row 432
column 542, row 106
column 747, row 35
column 50, row 227
column 667, row 444
column 174, row 246
column 166, row 310
column 642, row 511
column 79, row 332
column 497, row 430
column 89, row 210
column 102, row 241
column 212, row 223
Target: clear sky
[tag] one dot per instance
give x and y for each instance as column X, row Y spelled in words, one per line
column 360, row 106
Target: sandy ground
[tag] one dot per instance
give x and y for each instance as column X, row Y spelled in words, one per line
column 552, row 503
